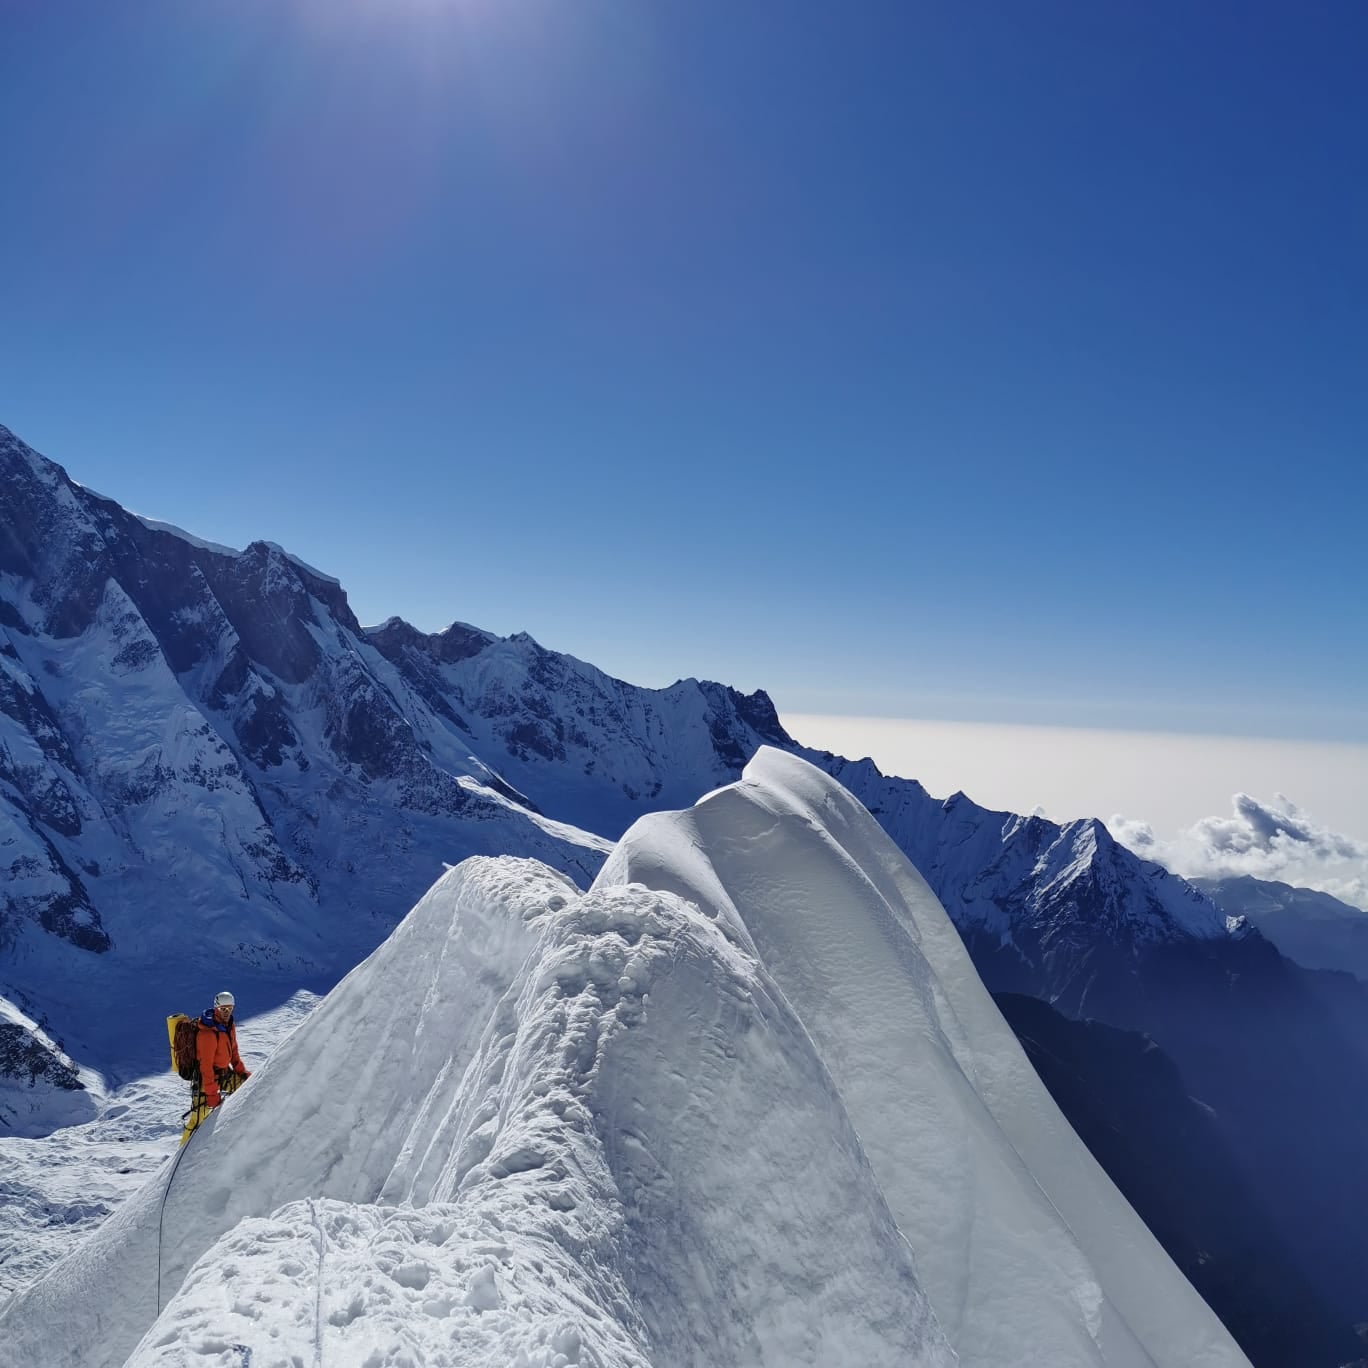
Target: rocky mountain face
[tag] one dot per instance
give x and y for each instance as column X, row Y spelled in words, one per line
column 209, row 770
column 40, row 1086
column 566, row 739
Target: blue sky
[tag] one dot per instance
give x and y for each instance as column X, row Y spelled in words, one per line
column 991, row 362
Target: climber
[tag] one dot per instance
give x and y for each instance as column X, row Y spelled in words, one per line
column 221, row 1066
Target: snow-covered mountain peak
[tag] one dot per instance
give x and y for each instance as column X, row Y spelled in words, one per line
column 1025, row 879
column 578, row 743
column 387, row 749
column 1144, row 893
column 183, row 726
column 66, row 541
column 309, row 570
column 197, row 737
column 858, row 942
column 394, row 637
column 16, row 456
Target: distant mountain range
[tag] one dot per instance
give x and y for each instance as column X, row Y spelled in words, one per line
column 1313, row 928
column 209, row 770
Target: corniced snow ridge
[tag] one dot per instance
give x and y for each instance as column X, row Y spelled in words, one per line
column 745, row 1102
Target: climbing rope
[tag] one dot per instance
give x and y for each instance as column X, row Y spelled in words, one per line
column 318, row 1300
column 196, row 1101
column 199, row 1108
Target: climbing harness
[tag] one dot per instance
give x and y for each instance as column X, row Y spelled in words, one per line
column 228, row 1083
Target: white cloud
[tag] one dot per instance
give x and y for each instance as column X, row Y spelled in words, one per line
column 1274, row 840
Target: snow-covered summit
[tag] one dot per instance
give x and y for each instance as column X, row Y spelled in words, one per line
column 1027, row 881
column 743, row 1102
column 967, row 1146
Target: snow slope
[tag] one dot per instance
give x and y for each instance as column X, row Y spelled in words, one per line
column 40, row 1086
column 743, row 1102
column 1021, row 1238
column 56, row 1191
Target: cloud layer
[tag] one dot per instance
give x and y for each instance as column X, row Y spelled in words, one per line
column 1274, row 840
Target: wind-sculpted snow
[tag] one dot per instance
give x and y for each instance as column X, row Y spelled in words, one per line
column 1027, row 1251
column 533, row 1123
column 742, row 1103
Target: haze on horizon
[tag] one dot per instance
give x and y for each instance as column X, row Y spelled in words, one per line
column 1295, row 812
column 991, row 366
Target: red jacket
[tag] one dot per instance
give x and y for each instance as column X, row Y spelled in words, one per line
column 216, row 1047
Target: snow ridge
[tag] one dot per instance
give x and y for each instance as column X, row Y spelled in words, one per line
column 600, row 1097
column 743, row 1102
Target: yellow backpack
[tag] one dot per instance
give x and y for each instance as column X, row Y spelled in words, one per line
column 183, row 1032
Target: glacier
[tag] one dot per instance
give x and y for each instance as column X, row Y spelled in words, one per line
column 744, row 1101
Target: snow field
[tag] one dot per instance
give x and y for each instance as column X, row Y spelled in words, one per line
column 339, row 1283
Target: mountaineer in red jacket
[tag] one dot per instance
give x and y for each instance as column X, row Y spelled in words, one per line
column 221, row 1067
